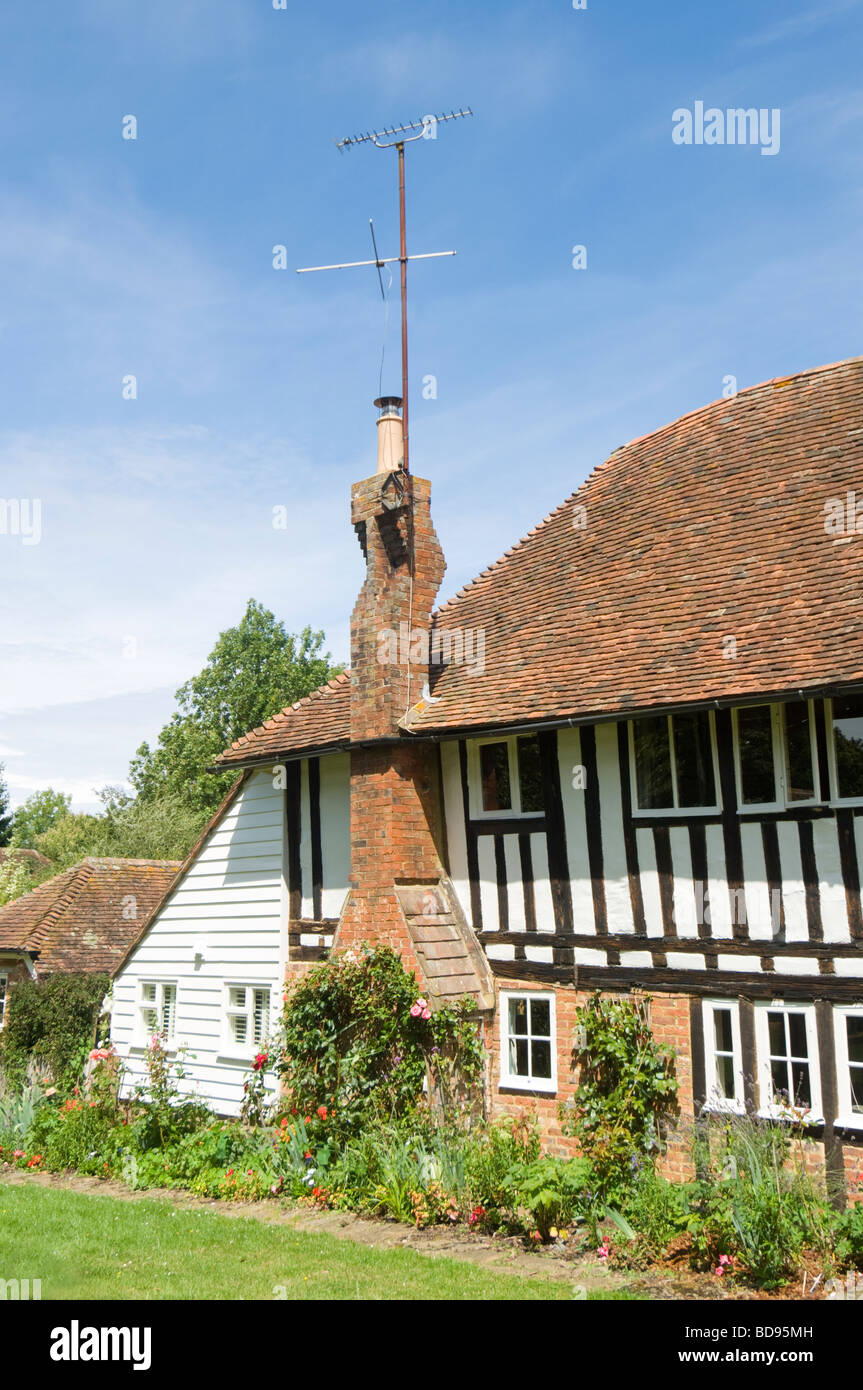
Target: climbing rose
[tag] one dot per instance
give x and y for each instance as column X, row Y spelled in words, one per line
column 415, row 1011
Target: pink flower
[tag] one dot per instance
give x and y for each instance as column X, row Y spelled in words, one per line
column 415, row 1011
column 426, row 1013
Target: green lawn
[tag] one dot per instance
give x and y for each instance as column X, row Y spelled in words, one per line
column 95, row 1247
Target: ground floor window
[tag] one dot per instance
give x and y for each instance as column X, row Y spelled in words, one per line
column 787, row 1048
column 157, row 1008
column 849, row 1065
column 722, row 1055
column 247, row 1015
column 528, row 1049
column 4, row 985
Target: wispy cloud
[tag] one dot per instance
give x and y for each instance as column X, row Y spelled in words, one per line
column 799, row 26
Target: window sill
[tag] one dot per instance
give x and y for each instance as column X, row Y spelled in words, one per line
column 524, row 1085
column 810, row 1121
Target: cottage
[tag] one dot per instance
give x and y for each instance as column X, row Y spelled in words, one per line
column 655, row 785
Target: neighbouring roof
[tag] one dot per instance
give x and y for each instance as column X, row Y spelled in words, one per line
column 622, row 599
column 87, row 918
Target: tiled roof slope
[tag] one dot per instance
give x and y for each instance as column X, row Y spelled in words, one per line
column 319, row 720
column 76, row 921
column 711, row 527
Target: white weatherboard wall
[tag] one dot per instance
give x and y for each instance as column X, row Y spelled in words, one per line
column 230, row 904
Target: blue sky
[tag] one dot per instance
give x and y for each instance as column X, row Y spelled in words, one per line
column 153, row 257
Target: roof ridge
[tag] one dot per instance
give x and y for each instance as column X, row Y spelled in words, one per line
column 80, row 874
column 728, row 401
column 117, row 861
column 317, row 694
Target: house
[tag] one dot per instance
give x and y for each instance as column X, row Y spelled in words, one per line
column 627, row 757
column 82, row 921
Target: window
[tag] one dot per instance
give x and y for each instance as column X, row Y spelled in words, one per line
column 674, row 762
column 4, row 984
column 528, row 1042
column 247, row 1016
column 722, row 1056
column 787, row 1048
column 508, row 777
column 847, row 724
column 157, row 1008
column 775, row 755
column 849, row 1065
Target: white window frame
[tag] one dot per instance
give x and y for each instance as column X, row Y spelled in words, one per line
column 714, row 1100
column 230, row 1046
column 676, row 809
column 766, row 1106
column 835, row 798
column 845, row 1115
column 142, row 1005
column 781, row 801
column 475, row 780
column 546, row 1085
column 4, row 995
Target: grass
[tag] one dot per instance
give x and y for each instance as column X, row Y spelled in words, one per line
column 95, row 1247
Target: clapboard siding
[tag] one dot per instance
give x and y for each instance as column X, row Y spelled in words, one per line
column 230, row 905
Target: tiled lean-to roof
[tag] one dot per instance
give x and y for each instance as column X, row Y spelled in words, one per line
column 87, row 918
column 626, row 596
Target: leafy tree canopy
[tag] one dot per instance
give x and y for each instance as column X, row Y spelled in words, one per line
column 38, row 813
column 5, row 812
column 254, row 670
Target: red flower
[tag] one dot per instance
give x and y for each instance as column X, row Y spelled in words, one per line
column 322, row 1111
column 261, row 1061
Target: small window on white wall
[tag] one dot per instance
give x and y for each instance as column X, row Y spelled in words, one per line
column 506, row 777
column 528, row 1047
column 247, row 1016
column 157, row 1008
column 4, row 985
column 787, row 1046
column 849, row 1065
column 722, row 1056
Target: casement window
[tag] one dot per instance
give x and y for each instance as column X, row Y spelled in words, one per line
column 157, row 1009
column 507, row 777
column 247, row 1016
column 787, row 1048
column 528, row 1047
column 673, row 760
column 723, row 1058
column 775, row 756
column 848, row 1027
column 847, row 748
column 4, row 985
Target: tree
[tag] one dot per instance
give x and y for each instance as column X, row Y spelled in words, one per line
column 253, row 671
column 5, row 811
column 38, row 813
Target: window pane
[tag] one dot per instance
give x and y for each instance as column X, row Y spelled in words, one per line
column 722, row 1033
column 169, row 999
column 540, row 1018
column 854, row 1027
column 262, row 1015
column 541, row 1058
column 802, row 1090
column 779, row 1077
column 799, row 772
column 148, row 993
column 848, row 742
column 693, row 752
column 755, row 741
column 652, row 763
column 797, row 1031
column 239, row 1027
column 856, row 1074
column 151, row 1020
column 518, row 1057
column 725, row 1077
column 530, row 774
column 494, row 775
column 776, row 1026
column 238, row 997
column 518, row 1016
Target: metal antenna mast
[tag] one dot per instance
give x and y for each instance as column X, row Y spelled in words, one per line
column 425, row 129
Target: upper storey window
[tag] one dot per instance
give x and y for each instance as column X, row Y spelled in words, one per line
column 508, row 777
column 674, row 762
column 775, row 755
column 847, row 724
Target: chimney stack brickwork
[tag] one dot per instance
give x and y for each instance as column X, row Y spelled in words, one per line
column 396, row 814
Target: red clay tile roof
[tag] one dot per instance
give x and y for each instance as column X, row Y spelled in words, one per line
column 712, row 527
column 320, row 720
column 76, row 921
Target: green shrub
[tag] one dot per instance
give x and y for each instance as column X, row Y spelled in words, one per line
column 656, row 1210
column 552, row 1190
column 75, row 1134
column 848, row 1236
column 53, row 1021
column 490, row 1155
column 626, row 1091
column 215, row 1161
column 359, row 1042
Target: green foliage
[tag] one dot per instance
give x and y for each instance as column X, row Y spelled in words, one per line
column 166, row 1115
column 71, row 839
column 53, row 1021
column 354, row 1042
column 848, row 1236
column 76, row 1134
column 254, row 670
column 552, row 1190
column 5, row 810
column 491, row 1154
column 128, row 828
column 626, row 1091
column 37, row 814
column 656, row 1212
column 204, row 1161
column 15, row 879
